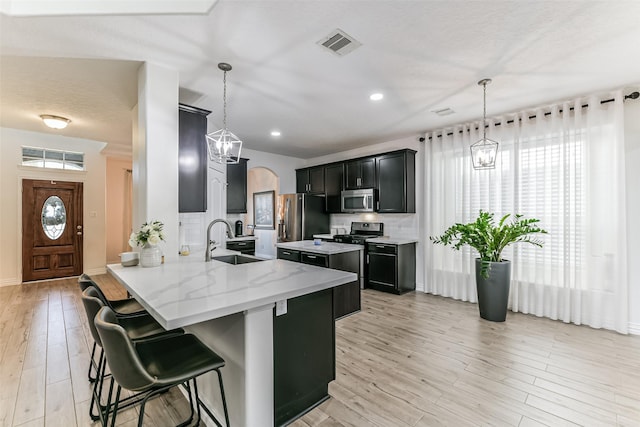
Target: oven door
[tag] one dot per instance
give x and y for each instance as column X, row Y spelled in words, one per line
column 358, row 200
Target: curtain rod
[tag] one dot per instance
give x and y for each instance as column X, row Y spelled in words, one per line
column 632, row 95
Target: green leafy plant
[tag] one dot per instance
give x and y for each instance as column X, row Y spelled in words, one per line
column 488, row 239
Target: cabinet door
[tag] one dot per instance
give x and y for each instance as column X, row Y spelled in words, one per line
column 396, row 182
column 314, row 259
column 237, row 187
column 360, row 174
column 289, row 254
column 316, row 179
column 302, row 180
column 368, row 173
column 192, row 150
column 333, row 175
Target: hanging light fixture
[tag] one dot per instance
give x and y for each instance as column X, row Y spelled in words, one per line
column 224, row 146
column 485, row 151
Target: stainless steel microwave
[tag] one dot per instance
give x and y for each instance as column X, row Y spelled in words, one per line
column 362, row 200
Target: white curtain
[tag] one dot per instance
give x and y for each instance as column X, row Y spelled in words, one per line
column 565, row 166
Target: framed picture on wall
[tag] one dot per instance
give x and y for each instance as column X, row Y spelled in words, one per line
column 263, row 210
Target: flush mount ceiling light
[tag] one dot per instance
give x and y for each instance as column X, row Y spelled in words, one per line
column 376, row 96
column 224, row 147
column 485, row 151
column 55, row 122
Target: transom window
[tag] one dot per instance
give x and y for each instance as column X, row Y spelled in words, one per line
column 53, row 159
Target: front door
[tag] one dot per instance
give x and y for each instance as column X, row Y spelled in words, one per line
column 51, row 229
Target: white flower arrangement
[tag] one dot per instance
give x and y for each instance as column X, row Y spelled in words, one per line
column 150, row 232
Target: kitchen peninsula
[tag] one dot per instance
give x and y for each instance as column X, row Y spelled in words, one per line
column 231, row 308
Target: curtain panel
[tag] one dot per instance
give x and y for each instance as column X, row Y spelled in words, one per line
column 565, row 166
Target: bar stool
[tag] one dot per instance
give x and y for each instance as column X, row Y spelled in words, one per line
column 137, row 327
column 128, row 306
column 155, row 365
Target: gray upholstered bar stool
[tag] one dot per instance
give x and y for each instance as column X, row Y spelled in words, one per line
column 140, row 326
column 155, row 365
column 128, row 306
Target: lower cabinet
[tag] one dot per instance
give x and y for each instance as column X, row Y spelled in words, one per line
column 391, row 268
column 346, row 298
column 303, row 355
column 247, row 247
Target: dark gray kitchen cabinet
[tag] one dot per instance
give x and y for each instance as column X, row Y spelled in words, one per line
column 346, row 298
column 237, row 187
column 247, row 247
column 192, row 159
column 396, row 180
column 391, row 267
column 310, row 180
column 303, row 355
column 333, row 186
column 360, row 173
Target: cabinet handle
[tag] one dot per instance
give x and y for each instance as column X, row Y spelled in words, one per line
column 286, row 253
column 242, row 244
column 378, row 204
column 358, row 182
column 311, row 256
column 380, row 246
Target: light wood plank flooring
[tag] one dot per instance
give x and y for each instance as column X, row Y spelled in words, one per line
column 411, row 360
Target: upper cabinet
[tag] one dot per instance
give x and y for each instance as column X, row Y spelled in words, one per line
column 392, row 174
column 192, row 159
column 310, row 180
column 333, row 185
column 396, row 182
column 360, row 173
column 237, row 187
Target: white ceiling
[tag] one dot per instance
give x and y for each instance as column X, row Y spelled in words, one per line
column 423, row 55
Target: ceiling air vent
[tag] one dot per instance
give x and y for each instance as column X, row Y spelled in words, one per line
column 443, row 111
column 339, row 42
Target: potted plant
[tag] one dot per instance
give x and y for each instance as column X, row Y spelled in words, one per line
column 493, row 274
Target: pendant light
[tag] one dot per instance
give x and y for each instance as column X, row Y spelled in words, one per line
column 485, row 151
column 224, row 147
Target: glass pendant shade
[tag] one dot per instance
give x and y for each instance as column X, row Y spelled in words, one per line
column 485, row 151
column 224, row 147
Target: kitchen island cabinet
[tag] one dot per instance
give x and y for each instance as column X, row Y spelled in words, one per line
column 231, row 309
column 338, row 256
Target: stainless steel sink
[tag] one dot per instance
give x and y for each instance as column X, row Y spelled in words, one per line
column 236, row 259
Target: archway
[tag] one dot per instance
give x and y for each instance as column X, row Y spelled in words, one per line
column 261, row 179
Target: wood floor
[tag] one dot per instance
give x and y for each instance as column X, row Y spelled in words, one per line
column 411, row 360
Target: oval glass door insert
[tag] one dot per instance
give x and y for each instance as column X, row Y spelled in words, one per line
column 54, row 217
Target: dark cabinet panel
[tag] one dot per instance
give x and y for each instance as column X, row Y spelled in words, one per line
column 346, row 298
column 193, row 158
column 310, row 180
column 360, row 173
column 303, row 355
column 289, row 254
column 391, row 268
column 396, row 182
column 333, row 185
column 237, row 187
column 244, row 246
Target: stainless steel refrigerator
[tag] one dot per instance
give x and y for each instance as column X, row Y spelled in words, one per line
column 300, row 216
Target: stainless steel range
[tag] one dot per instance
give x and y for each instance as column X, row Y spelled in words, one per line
column 360, row 232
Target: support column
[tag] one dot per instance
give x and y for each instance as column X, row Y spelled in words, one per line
column 155, row 153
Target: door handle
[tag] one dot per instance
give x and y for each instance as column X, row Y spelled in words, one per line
column 364, row 202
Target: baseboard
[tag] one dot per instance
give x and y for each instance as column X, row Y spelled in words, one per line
column 9, row 282
column 96, row 271
column 634, row 328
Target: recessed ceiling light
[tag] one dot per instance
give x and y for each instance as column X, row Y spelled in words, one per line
column 275, row 133
column 376, row 96
column 55, row 122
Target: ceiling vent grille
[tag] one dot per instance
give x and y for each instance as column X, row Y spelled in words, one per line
column 339, row 42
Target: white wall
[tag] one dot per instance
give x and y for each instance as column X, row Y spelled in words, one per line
column 632, row 146
column 283, row 166
column 11, row 175
column 395, row 225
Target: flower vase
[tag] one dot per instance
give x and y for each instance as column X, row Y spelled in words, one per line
column 150, row 256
